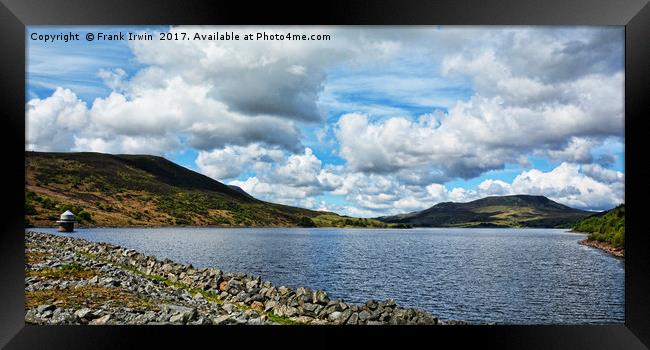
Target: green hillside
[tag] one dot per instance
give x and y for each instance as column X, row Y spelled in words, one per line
column 496, row 211
column 143, row 190
column 608, row 226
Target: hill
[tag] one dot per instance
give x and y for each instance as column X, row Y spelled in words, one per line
column 608, row 226
column 144, row 190
column 496, row 211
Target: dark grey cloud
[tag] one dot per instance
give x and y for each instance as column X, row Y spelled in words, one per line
column 273, row 90
column 245, row 131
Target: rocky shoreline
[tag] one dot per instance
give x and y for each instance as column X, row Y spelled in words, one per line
column 75, row 281
column 618, row 252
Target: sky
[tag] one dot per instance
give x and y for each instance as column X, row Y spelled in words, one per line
column 374, row 121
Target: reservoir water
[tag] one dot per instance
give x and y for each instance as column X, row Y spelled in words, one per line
column 506, row 276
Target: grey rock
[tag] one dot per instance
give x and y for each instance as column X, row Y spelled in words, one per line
column 220, row 320
column 229, row 307
column 284, row 291
column 319, row 322
column 303, row 319
column 45, row 307
column 258, row 297
column 334, row 315
column 318, row 309
column 270, row 305
column 30, row 317
column 364, row 315
column 384, row 316
column 255, row 321
column 85, row 313
column 284, row 310
column 309, row 307
column 353, row 320
column 101, row 321
column 320, row 297
column 178, row 318
column 234, row 283
column 252, row 284
column 251, row 314
column 374, row 315
column 345, row 315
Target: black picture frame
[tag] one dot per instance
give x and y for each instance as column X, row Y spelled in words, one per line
column 15, row 15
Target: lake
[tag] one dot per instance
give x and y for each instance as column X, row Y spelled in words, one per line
column 507, row 276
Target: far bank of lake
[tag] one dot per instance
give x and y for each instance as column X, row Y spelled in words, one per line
column 511, row 276
column 604, row 246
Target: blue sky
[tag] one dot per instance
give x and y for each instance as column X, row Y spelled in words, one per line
column 375, row 121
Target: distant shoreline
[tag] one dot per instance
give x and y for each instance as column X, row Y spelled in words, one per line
column 606, row 247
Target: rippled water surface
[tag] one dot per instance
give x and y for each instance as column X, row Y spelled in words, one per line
column 513, row 276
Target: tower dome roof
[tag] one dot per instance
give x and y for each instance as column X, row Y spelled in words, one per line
column 67, row 216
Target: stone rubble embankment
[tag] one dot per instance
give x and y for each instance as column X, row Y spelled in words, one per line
column 75, row 281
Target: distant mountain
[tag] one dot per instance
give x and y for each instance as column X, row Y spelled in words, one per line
column 240, row 190
column 608, row 226
column 496, row 211
column 144, row 190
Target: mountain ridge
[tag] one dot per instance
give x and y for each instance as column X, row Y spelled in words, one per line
column 144, row 190
column 519, row 210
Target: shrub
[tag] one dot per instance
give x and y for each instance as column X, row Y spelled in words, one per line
column 306, row 222
column 84, row 216
column 29, row 209
column 605, row 227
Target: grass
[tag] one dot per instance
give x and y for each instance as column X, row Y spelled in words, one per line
column 281, row 319
column 65, row 272
column 88, row 296
column 209, row 296
column 35, row 257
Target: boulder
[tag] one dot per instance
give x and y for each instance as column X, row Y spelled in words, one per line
column 229, row 307
column 101, row 321
column 219, row 320
column 257, row 305
column 178, row 318
column 284, row 291
column 270, row 305
column 45, row 307
column 85, row 314
column 364, row 315
column 353, row 320
column 320, row 297
column 334, row 316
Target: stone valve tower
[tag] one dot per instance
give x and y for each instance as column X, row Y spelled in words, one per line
column 66, row 224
